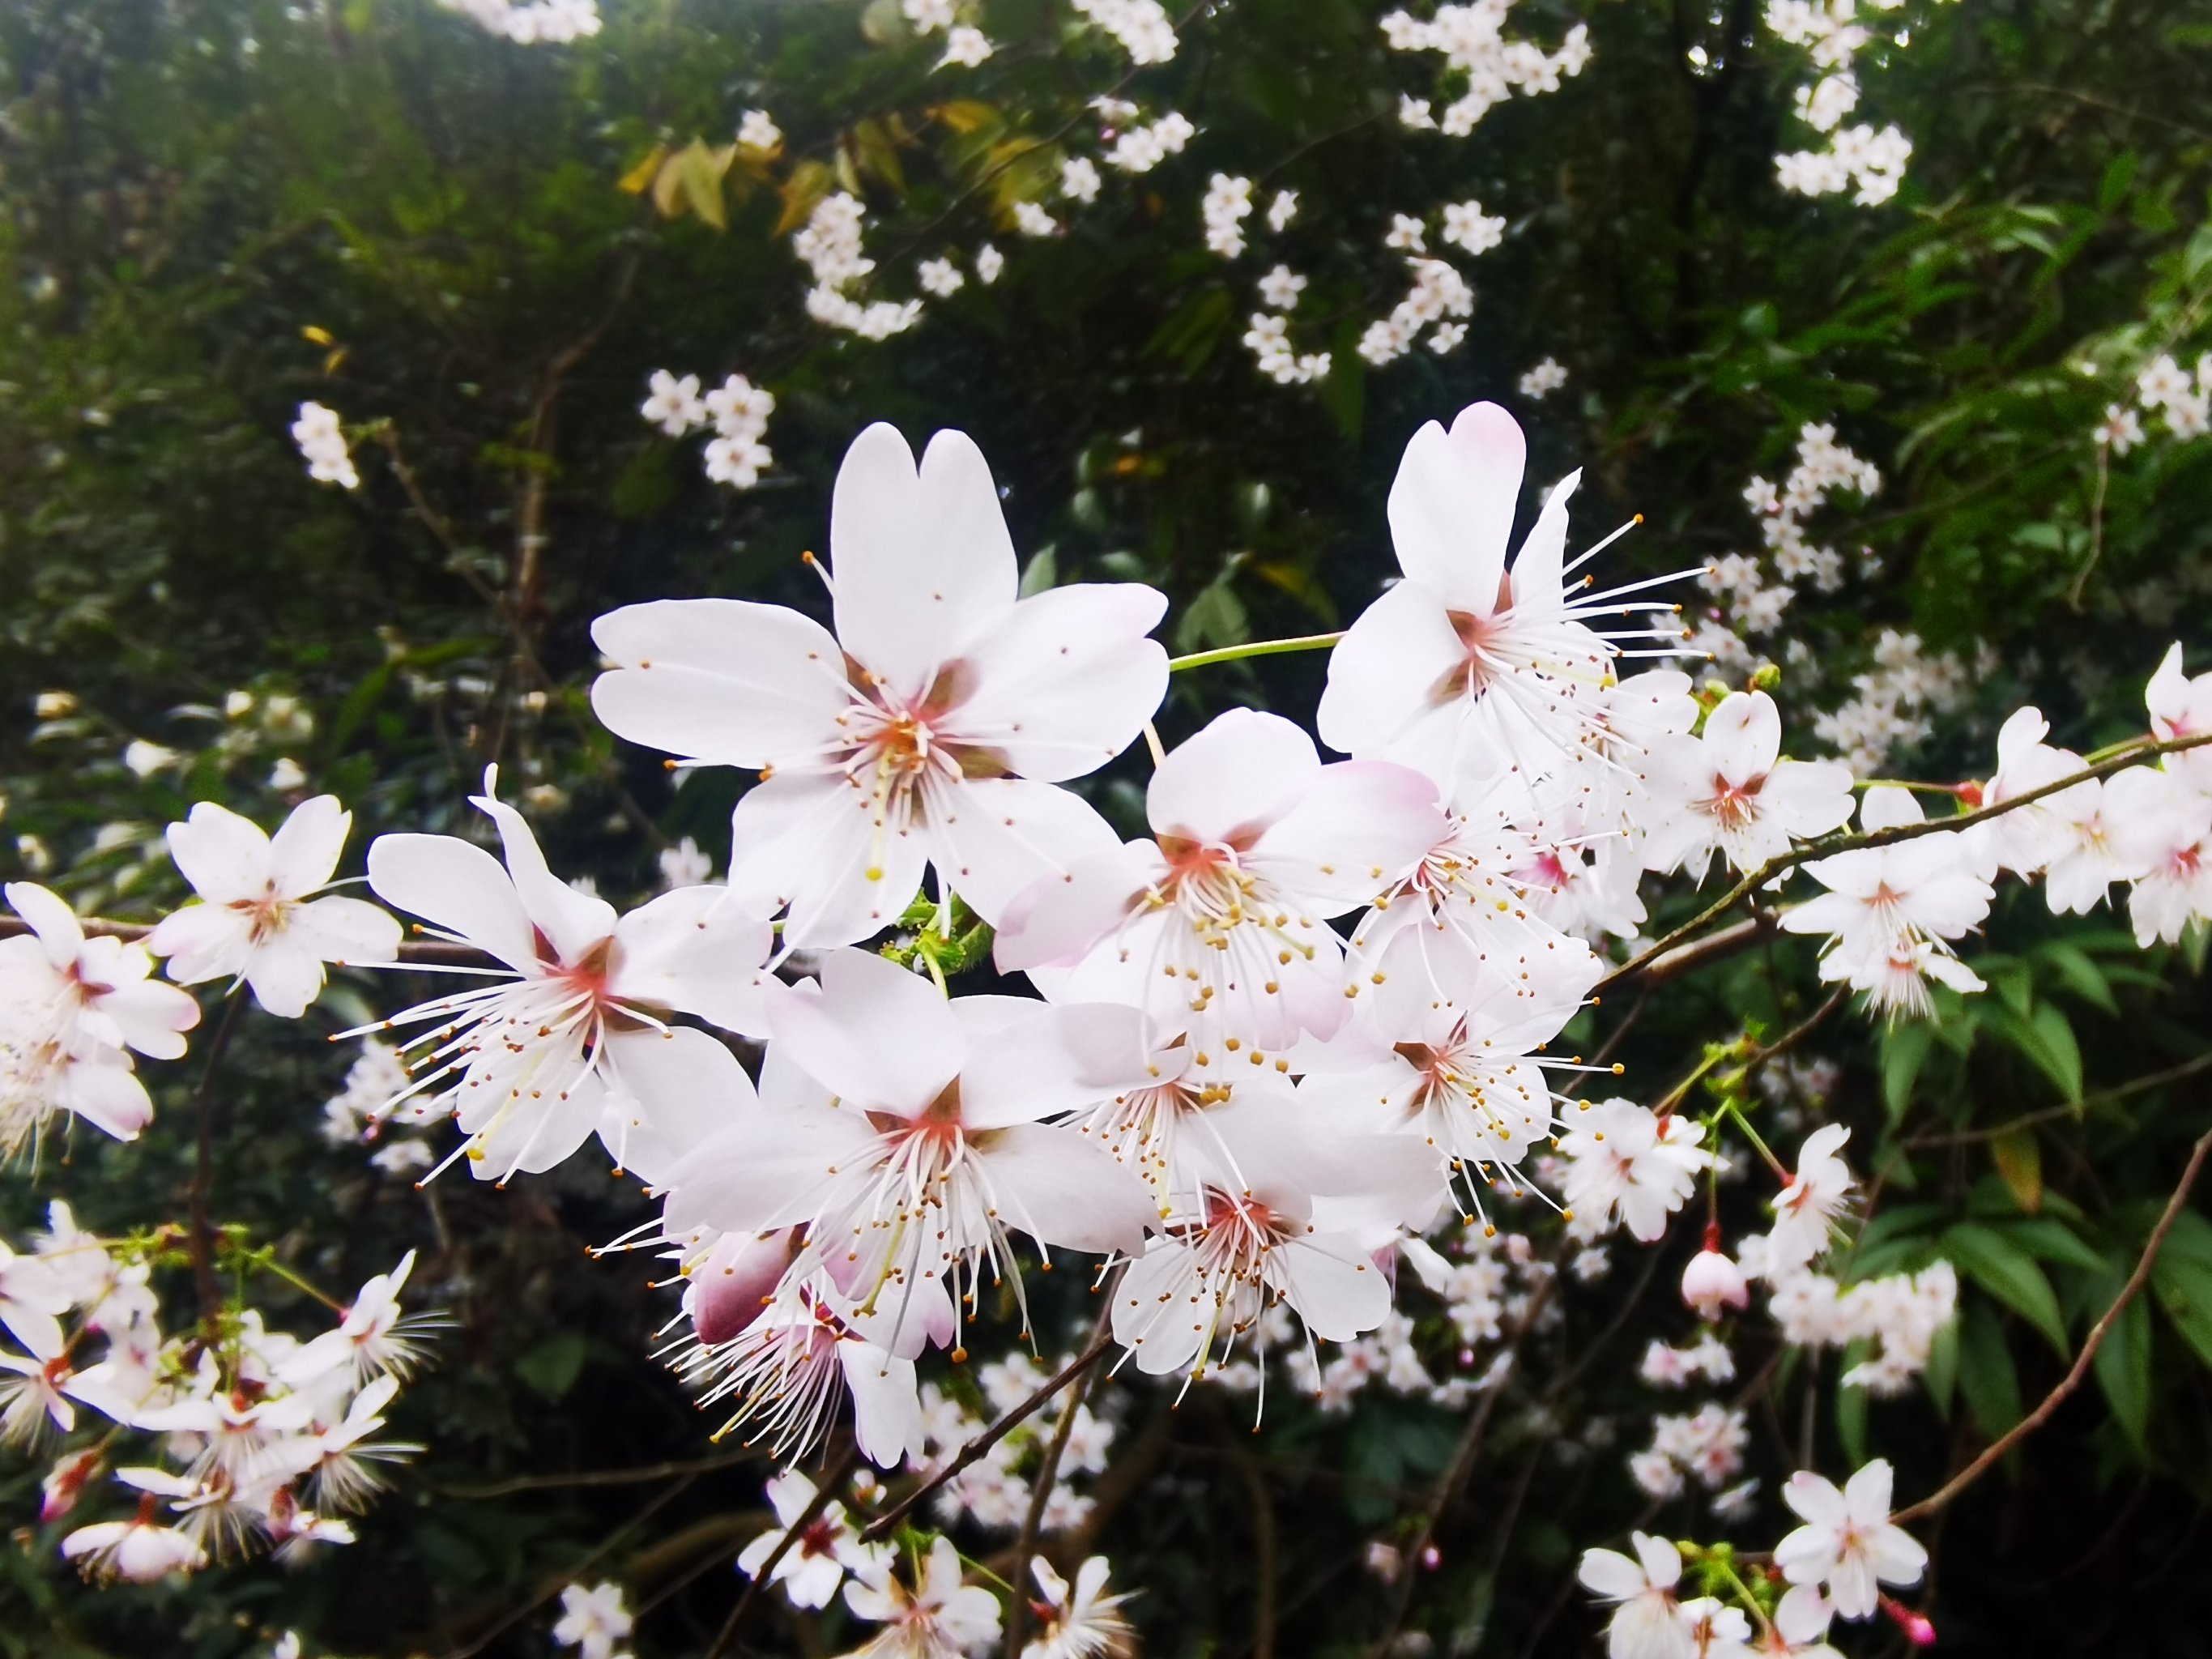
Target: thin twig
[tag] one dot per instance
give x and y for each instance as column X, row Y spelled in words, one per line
column 631, row 1476
column 1784, row 862
column 202, row 1234
column 1048, row 1476
column 2036, row 1418
column 833, row 1480
column 990, row 1436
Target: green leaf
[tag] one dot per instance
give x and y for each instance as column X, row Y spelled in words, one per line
column 2008, row 1272
column 552, row 1367
column 2048, row 1239
column 2119, row 174
column 1987, row 1377
column 1041, row 573
column 1904, row 1049
column 2123, row 1368
column 2182, row 1286
column 1941, row 1374
column 1851, row 1408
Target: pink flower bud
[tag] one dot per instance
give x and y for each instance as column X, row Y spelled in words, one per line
column 1711, row 1280
column 1918, row 1628
column 728, row 1290
column 65, row 1482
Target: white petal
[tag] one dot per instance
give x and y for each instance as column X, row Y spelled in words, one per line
column 992, row 838
column 461, row 888
column 224, row 856
column 1452, row 504
column 774, row 1173
column 1743, row 734
column 1062, row 1190
column 574, row 922
column 1362, row 826
column 1067, row 681
column 669, row 1093
column 1336, row 1289
column 878, row 1036
column 1059, row 918
column 719, row 680
column 698, row 950
column 1383, row 674
column 1537, row 568
column 923, row 565
column 811, row 842
column 303, row 854
column 887, row 1408
column 59, row 934
column 1232, row 779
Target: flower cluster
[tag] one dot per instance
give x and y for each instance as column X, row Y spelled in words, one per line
column 1480, row 65
column 738, row 411
column 1227, row 203
column 1870, row 163
column 1141, row 27
column 263, row 1441
column 2163, row 388
column 829, row 244
column 558, row 21
column 323, row 445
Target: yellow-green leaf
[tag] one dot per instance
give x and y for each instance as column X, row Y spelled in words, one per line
column 2019, row 1156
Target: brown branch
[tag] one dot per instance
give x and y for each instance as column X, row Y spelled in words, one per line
column 833, row 1478
column 2042, row 1414
column 1782, row 864
column 631, row 1476
column 2074, row 1112
column 990, row 1436
column 1048, row 1475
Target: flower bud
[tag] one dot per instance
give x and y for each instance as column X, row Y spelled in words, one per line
column 1711, row 1280
column 728, row 1290
column 66, row 1483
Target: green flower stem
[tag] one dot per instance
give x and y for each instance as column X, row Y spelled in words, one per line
column 1257, row 649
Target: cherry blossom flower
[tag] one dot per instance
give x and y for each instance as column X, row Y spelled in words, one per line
column 759, row 132
column 910, row 1144
column 673, row 405
column 820, row 1556
column 2028, row 837
column 1805, row 1208
column 1463, row 668
column 1221, row 920
column 139, row 1550
column 371, row 1338
column 2180, row 707
column 1628, row 1164
column 2108, row 830
column 1081, row 1621
column 70, row 1007
column 259, row 919
column 1847, row 1543
column 1888, row 906
column 323, row 446
column 1730, row 790
column 1645, row 1624
column 930, row 731
column 570, row 1043
column 1716, row 1630
column 939, row 1618
column 593, row 1620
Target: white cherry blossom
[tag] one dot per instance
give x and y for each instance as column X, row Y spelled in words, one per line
column 1644, row 1624
column 1629, row 1165
column 259, row 919
column 1847, row 1545
column 938, row 1618
column 1729, row 790
column 821, row 1555
column 928, row 731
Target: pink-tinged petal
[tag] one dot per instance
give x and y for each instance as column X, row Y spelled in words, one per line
column 1743, row 735
column 1537, row 581
column 224, row 856
column 1064, row 1190
column 1452, row 503
column 990, row 839
column 1232, row 780
column 152, row 1017
column 348, row 931
column 575, row 923
column 878, row 1036
column 1887, row 807
column 460, row 887
column 698, row 950
column 1808, row 797
column 1362, row 826
column 887, row 1408
column 668, row 1094
column 773, row 1172
column 201, row 942
column 1384, row 674
column 923, row 565
column 1814, row 1499
column 1066, row 682
column 60, row 935
column 303, row 854
column 1049, row 1061
column 811, row 842
column 1896, row 1555
column 727, row 1292
column 1336, row 1288
column 724, row 681
column 1055, row 921
column 109, row 1096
